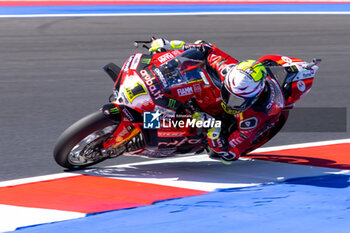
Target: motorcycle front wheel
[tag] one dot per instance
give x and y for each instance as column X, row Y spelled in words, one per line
column 80, row 145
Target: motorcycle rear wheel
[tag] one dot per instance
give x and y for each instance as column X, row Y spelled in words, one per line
column 80, row 145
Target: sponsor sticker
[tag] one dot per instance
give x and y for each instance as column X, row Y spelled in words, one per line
column 166, row 57
column 114, row 110
column 146, row 61
column 165, row 134
column 135, row 61
column 179, row 142
column 197, row 87
column 128, row 114
column 286, row 59
column 171, row 103
column 161, row 77
column 236, row 141
column 301, row 86
column 127, row 64
column 272, row 98
column 156, row 93
column 185, row 91
column 307, row 75
column 137, row 90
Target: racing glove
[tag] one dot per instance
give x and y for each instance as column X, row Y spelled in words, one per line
column 160, row 45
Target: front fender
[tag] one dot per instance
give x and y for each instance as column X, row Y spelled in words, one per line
column 112, row 112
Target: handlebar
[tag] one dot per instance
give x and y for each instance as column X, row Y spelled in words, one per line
column 144, row 42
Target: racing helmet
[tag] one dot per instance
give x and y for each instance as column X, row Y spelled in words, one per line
column 242, row 86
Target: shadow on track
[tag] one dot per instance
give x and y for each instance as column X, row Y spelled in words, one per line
column 200, row 171
column 302, row 160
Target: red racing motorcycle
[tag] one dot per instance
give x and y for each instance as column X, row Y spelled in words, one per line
column 151, row 90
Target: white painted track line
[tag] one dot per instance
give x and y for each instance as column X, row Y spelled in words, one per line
column 180, row 14
column 160, row 162
column 13, row 217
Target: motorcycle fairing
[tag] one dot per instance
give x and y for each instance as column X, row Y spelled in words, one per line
column 291, row 74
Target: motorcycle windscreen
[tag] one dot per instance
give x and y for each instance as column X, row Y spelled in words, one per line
column 183, row 69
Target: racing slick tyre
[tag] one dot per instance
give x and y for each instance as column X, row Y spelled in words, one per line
column 80, row 145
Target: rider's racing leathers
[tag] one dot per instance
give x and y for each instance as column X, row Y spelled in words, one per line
column 240, row 133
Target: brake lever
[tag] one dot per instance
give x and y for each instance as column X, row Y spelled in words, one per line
column 314, row 62
column 137, row 42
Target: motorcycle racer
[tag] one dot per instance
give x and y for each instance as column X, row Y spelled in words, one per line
column 245, row 94
column 191, row 98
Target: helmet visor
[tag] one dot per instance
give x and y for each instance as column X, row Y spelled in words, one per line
column 232, row 101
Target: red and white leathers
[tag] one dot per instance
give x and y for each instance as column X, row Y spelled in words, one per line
column 241, row 132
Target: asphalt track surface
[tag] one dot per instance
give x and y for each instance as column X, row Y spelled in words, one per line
column 51, row 76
